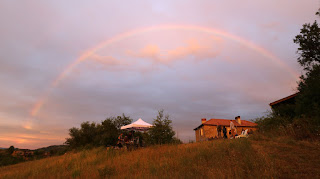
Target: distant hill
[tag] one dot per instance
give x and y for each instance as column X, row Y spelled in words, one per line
column 256, row 157
column 53, row 147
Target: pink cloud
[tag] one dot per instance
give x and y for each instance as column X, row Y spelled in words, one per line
column 199, row 50
column 107, row 60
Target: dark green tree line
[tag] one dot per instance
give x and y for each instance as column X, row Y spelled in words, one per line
column 97, row 134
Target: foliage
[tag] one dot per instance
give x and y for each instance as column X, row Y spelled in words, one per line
column 176, row 140
column 285, row 111
column 271, row 123
column 161, row 132
column 121, row 121
column 6, row 159
column 11, row 150
column 299, row 128
column 309, row 42
column 308, row 101
column 93, row 134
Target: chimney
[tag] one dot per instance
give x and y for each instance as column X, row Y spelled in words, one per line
column 203, row 120
column 238, row 120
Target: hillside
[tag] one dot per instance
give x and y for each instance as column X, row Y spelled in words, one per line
column 257, row 157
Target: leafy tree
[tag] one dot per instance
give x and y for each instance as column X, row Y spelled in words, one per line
column 75, row 136
column 11, row 150
column 308, row 101
column 122, row 120
column 309, row 42
column 93, row 134
column 107, row 132
column 161, row 132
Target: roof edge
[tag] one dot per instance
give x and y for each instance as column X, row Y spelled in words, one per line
column 198, row 127
column 283, row 99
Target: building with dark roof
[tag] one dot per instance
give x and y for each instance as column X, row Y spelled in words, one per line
column 285, row 107
column 283, row 101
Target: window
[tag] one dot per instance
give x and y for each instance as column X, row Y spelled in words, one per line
column 201, row 132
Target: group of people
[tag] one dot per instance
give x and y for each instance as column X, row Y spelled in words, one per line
column 224, row 131
column 127, row 140
column 232, row 131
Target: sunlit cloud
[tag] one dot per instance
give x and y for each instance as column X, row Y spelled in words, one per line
column 193, row 48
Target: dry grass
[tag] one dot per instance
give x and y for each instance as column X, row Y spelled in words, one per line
column 258, row 157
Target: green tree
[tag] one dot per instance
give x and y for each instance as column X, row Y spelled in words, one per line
column 161, row 132
column 108, row 132
column 122, row 121
column 93, row 134
column 11, row 150
column 308, row 101
column 309, row 45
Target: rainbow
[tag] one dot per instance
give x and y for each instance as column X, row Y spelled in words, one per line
column 128, row 34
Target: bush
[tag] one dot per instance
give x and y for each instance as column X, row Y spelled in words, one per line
column 298, row 127
column 6, row 159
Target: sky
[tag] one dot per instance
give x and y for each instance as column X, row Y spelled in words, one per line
column 66, row 62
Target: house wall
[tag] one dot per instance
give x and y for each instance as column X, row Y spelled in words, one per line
column 200, row 137
column 211, row 131
column 197, row 132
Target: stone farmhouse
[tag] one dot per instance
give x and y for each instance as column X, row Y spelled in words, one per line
column 208, row 129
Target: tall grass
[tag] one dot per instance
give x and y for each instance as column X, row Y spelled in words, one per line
column 243, row 158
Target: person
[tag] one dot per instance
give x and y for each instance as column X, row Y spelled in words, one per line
column 224, row 130
column 219, row 131
column 130, row 136
column 232, row 128
column 235, row 132
column 126, row 139
column 120, row 140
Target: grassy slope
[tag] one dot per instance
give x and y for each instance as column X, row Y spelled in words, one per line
column 258, row 157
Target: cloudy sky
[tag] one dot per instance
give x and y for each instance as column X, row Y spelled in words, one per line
column 66, row 62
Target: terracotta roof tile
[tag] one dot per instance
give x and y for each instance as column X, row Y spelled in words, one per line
column 226, row 122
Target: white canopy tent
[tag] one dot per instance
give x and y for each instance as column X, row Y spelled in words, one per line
column 138, row 125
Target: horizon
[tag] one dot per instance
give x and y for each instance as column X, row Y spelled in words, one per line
column 64, row 63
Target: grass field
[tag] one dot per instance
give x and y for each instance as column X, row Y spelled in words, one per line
column 256, row 157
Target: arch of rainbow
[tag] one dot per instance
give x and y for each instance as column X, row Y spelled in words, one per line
column 36, row 108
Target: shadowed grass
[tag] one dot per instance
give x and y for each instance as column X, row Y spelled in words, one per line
column 258, row 157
